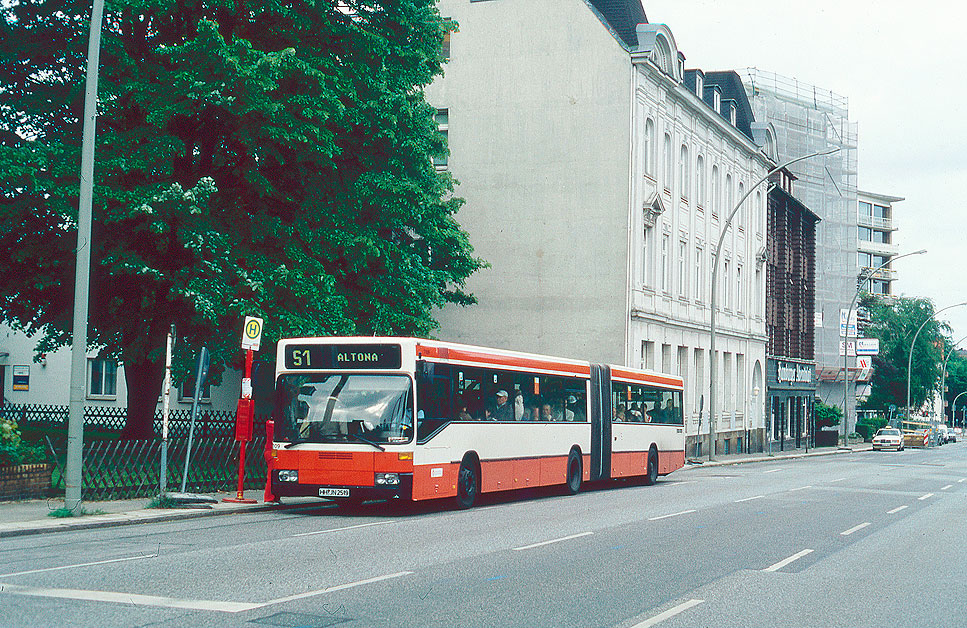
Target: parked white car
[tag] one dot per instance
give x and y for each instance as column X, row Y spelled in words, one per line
column 888, row 438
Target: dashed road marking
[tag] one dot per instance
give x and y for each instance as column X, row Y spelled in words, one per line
column 361, row 525
column 675, row 610
column 782, row 563
column 923, row 497
column 674, row 514
column 543, row 543
column 99, row 562
column 801, row 488
column 749, row 499
column 854, row 529
column 946, row 487
column 896, row 510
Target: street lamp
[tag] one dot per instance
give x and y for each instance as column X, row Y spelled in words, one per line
column 715, row 273
column 846, row 341
column 913, row 344
column 943, row 378
column 82, row 271
column 954, row 410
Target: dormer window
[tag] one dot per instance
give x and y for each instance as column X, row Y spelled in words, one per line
column 699, row 85
column 716, row 101
column 732, row 114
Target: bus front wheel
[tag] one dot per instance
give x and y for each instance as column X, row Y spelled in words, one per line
column 468, row 484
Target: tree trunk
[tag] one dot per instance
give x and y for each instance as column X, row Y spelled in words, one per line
column 144, row 381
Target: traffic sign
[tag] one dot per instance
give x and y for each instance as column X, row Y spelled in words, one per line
column 252, row 333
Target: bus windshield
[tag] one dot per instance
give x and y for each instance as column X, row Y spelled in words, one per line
column 319, row 408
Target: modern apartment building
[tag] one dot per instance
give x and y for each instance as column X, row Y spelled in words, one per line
column 598, row 175
column 876, row 244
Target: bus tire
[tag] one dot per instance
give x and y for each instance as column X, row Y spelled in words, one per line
column 651, row 472
column 575, row 472
column 468, row 483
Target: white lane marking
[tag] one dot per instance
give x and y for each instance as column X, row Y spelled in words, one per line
column 772, row 470
column 99, row 562
column 854, row 529
column 361, row 525
column 660, row 617
column 749, row 499
column 801, row 488
column 837, row 480
column 674, row 514
column 132, row 599
column 961, row 480
column 786, row 561
column 946, row 487
column 340, row 587
column 896, row 510
column 543, row 543
column 923, row 497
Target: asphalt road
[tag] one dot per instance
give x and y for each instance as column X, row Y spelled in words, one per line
column 863, row 539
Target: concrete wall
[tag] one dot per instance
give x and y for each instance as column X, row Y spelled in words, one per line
column 538, row 93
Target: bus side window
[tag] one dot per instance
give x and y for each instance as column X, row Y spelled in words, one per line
column 434, row 396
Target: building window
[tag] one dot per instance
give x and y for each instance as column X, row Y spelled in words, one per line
column 683, row 171
column 668, row 164
column 738, row 288
column 864, row 260
column 445, row 51
column 650, row 147
column 699, row 273
column 665, row 244
column 866, row 210
column 760, row 302
column 102, row 379
column 726, row 285
column 759, row 211
column 728, row 201
column 646, row 246
column 866, row 234
column 442, row 118
column 700, row 182
column 186, row 391
column 682, row 269
column 716, row 191
column 741, row 216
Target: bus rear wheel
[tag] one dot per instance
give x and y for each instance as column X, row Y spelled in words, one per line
column 651, row 473
column 468, row 484
column 574, row 473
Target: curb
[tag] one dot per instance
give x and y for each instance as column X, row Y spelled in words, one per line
column 87, row 522
column 690, row 464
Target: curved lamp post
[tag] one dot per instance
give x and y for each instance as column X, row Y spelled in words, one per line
column 943, row 377
column 846, row 340
column 715, row 272
column 954, row 410
column 913, row 343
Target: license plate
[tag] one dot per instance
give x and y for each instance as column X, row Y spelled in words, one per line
column 333, row 492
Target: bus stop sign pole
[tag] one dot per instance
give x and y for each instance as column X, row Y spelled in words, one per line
column 251, row 339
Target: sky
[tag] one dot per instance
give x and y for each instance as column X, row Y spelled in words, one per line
column 899, row 65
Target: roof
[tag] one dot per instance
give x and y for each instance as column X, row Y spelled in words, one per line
column 730, row 83
column 622, row 17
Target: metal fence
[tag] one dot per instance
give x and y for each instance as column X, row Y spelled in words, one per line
column 124, row 469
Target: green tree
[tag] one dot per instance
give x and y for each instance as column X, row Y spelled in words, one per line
column 894, row 323
column 268, row 158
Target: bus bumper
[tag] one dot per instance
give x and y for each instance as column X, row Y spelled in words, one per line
column 338, row 492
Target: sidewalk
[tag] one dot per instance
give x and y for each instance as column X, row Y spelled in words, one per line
column 30, row 517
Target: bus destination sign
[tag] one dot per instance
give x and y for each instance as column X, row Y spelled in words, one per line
column 338, row 357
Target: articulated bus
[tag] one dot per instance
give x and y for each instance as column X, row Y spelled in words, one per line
column 382, row 418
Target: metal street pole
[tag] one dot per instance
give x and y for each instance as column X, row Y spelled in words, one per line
column 82, row 271
column 715, row 272
column 954, row 410
column 943, row 381
column 846, row 340
column 913, row 343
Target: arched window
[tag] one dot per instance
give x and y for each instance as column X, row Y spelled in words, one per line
column 716, row 191
column 741, row 216
column 650, row 147
column 700, row 181
column 758, row 212
column 683, row 172
column 668, row 164
column 729, row 202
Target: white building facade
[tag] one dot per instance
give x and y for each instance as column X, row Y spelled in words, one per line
column 597, row 183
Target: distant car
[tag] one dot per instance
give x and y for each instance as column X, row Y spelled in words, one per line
column 888, row 438
column 943, row 434
column 952, row 435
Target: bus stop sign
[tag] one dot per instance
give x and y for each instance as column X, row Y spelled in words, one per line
column 252, row 333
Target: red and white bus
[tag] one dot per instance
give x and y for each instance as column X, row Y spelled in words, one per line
column 486, row 420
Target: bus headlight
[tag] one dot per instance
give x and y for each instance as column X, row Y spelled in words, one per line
column 288, row 475
column 387, row 479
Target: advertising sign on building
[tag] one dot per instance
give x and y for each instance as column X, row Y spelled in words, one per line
column 21, row 378
column 867, row 346
column 847, row 347
column 847, row 329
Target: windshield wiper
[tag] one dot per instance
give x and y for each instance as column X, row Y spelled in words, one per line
column 297, row 442
column 367, row 441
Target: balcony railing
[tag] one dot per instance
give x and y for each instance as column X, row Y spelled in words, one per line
column 878, row 248
column 883, row 224
column 885, row 274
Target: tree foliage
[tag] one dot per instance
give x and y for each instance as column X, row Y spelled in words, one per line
column 267, row 158
column 895, row 323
